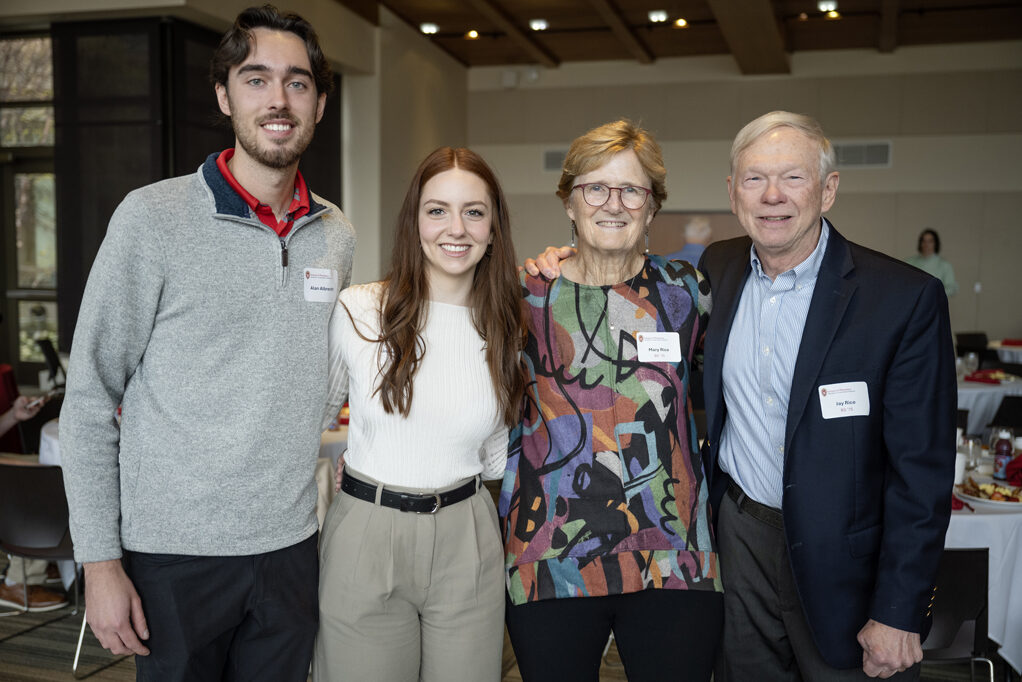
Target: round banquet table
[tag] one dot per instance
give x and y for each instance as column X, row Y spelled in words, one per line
column 1001, row 532
column 982, row 401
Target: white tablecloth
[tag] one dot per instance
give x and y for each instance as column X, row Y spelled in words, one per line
column 1002, row 533
column 49, row 444
column 982, row 401
column 1006, row 353
column 332, row 444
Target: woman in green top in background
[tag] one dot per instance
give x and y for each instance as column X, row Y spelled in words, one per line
column 929, row 262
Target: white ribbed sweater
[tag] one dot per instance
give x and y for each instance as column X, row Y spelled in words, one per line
column 453, row 430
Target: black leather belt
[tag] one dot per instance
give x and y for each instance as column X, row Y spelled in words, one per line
column 408, row 502
column 758, row 511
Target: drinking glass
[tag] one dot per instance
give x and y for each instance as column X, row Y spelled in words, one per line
column 971, row 362
column 973, row 451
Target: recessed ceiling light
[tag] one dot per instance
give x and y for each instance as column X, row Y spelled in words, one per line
column 538, row 24
column 827, row 5
column 472, row 35
column 833, row 14
column 657, row 15
column 428, row 28
column 680, row 23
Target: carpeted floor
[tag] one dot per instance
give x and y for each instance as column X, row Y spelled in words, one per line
column 44, row 649
column 38, row 647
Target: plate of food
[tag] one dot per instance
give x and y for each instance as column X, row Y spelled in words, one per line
column 990, row 494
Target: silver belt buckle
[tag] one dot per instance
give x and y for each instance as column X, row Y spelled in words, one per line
column 436, row 505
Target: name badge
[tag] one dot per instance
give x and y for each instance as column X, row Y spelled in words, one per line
column 320, row 285
column 848, row 399
column 659, row 346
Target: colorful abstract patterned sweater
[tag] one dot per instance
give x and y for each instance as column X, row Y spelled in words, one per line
column 605, row 491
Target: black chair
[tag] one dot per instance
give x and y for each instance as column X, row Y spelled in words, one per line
column 976, row 342
column 57, row 374
column 959, row 609
column 970, row 342
column 34, row 524
column 1009, row 413
column 963, row 420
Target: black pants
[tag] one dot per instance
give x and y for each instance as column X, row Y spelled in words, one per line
column 660, row 634
column 244, row 618
column 766, row 634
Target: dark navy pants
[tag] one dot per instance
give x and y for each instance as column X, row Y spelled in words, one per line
column 229, row 618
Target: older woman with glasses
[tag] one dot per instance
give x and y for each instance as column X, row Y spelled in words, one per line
column 604, row 504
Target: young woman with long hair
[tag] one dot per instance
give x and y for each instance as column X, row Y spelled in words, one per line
column 411, row 558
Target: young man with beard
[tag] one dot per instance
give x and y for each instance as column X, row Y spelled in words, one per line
column 205, row 318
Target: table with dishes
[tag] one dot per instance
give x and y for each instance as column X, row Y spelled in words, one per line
column 997, row 526
column 1008, row 350
column 981, row 395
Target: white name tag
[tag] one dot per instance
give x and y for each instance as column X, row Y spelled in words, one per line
column 848, row 399
column 320, row 285
column 659, row 346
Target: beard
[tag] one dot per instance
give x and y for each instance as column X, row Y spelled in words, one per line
column 277, row 156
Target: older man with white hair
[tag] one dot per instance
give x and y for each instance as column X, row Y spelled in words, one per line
column 830, row 393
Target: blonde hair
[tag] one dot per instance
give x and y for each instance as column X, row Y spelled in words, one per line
column 590, row 151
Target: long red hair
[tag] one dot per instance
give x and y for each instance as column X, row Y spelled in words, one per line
column 495, row 298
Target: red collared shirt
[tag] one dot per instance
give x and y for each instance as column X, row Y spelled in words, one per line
column 299, row 203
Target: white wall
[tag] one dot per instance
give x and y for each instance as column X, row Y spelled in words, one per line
column 951, row 113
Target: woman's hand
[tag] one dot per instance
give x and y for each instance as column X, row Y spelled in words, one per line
column 25, row 409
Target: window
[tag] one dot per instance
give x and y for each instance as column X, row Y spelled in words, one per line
column 27, row 202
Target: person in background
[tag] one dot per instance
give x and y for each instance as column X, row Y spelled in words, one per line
column 32, row 572
column 928, row 260
column 698, row 234
column 605, row 501
column 205, row 317
column 411, row 583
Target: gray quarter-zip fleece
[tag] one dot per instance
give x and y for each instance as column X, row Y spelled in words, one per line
column 196, row 320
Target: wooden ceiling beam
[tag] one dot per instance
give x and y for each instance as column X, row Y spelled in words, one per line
column 367, row 9
column 752, row 32
column 888, row 26
column 611, row 15
column 503, row 22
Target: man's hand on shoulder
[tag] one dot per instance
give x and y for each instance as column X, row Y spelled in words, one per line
column 887, row 650
column 549, row 262
column 113, row 608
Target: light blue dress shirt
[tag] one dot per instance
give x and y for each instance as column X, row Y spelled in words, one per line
column 759, row 364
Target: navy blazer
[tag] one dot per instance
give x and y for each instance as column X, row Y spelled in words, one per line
column 866, row 499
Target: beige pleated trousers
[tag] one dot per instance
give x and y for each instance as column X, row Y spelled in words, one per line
column 406, row 597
